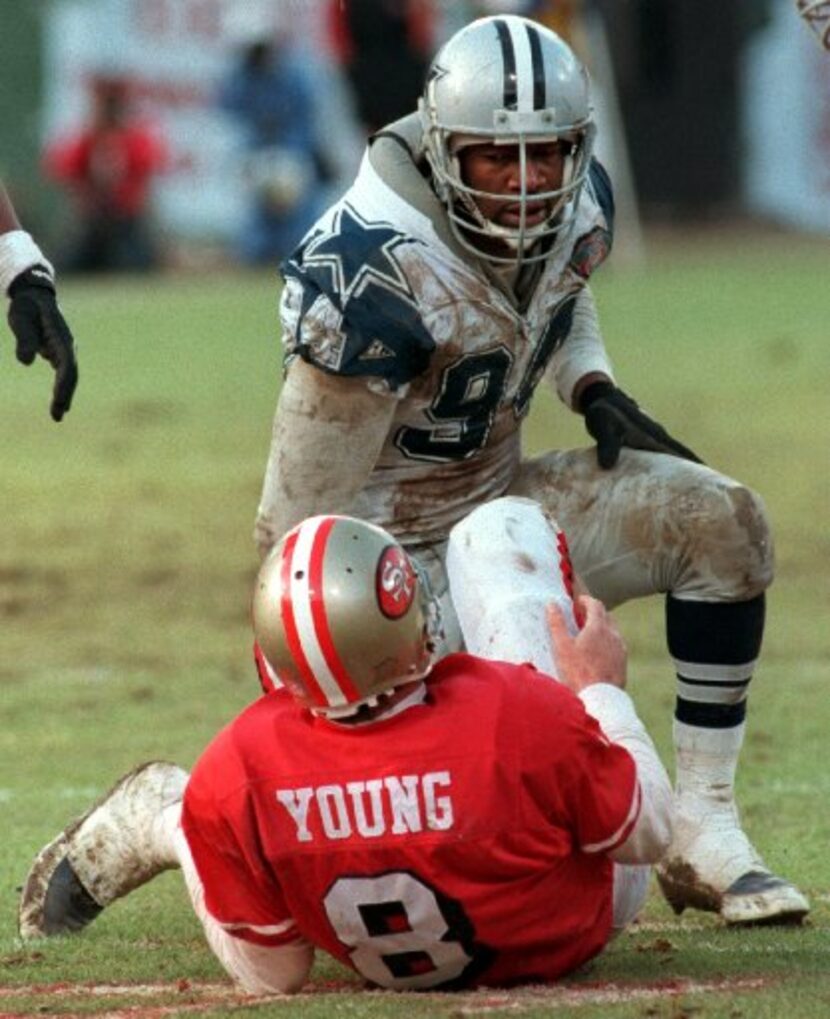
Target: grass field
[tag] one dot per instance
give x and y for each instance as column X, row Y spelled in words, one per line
column 126, row 559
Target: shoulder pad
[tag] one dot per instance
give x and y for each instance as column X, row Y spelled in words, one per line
column 600, row 186
column 592, row 247
column 379, row 332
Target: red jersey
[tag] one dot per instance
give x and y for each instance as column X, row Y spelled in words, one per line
column 462, row 841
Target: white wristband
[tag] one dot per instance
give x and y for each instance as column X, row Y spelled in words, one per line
column 18, row 252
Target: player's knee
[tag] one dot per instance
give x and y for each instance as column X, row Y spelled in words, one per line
column 753, row 548
column 731, row 535
column 491, row 546
column 487, row 525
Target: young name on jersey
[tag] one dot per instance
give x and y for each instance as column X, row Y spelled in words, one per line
column 395, row 805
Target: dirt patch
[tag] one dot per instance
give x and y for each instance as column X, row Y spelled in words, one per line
column 194, row 998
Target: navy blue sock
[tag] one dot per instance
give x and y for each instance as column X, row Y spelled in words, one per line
column 714, row 646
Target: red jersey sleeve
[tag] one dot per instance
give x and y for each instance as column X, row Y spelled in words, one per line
column 590, row 783
column 241, row 892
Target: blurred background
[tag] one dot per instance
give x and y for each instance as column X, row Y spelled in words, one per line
column 149, row 134
column 182, row 141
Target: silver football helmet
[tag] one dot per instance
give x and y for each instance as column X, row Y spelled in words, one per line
column 506, row 80
column 817, row 15
column 343, row 615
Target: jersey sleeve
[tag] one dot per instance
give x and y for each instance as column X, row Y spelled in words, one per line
column 651, row 835
column 603, row 794
column 588, row 784
column 595, row 236
column 348, row 305
column 240, row 891
column 582, row 350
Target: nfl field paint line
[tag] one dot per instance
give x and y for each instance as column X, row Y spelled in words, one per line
column 469, row 1003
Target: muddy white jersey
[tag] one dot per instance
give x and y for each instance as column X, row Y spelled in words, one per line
column 379, row 291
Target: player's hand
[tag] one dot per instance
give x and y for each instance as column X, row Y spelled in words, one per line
column 597, row 654
column 615, row 420
column 40, row 328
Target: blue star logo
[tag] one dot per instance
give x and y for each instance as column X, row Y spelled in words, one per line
column 357, row 254
column 353, row 265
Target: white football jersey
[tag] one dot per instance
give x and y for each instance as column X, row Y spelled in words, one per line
column 378, row 290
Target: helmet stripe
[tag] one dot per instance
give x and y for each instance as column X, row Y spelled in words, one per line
column 289, row 622
column 538, row 67
column 508, row 55
column 316, row 669
column 523, row 80
column 322, row 631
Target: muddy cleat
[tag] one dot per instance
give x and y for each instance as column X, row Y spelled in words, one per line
column 120, row 843
column 712, row 865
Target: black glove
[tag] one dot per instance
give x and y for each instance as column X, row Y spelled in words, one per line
column 40, row 328
column 615, row 420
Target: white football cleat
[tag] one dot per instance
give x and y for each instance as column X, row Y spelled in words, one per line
column 117, row 845
column 711, row 865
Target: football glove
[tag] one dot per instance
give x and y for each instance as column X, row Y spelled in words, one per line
column 615, row 420
column 40, row 328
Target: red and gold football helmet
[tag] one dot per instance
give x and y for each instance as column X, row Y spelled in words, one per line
column 342, row 614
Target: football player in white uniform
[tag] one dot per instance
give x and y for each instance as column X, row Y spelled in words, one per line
column 418, row 316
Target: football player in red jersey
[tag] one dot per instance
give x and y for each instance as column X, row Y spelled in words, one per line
column 34, row 316
column 430, row 824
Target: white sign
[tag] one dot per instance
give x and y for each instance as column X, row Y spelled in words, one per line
column 787, row 123
column 173, row 54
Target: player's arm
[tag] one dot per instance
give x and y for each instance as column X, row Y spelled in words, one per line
column 8, row 217
column 327, row 436
column 582, row 374
column 256, row 968
column 593, row 664
column 34, row 316
column 651, row 833
column 241, row 907
column 582, row 355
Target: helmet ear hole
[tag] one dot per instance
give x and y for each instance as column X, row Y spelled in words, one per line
column 341, row 615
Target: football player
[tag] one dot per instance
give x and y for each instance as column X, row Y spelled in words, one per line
column 34, row 316
column 470, row 822
column 418, row 317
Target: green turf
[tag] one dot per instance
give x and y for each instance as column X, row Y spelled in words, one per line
column 126, row 560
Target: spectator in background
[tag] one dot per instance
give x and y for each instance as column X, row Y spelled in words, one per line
column 108, row 166
column 271, row 94
column 384, row 47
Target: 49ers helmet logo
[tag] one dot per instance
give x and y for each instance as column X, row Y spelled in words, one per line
column 395, row 582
